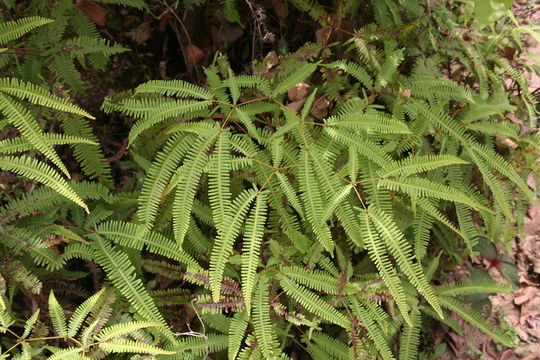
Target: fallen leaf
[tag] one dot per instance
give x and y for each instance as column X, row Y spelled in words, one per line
column 320, row 108
column 193, row 54
column 506, row 141
column 298, row 92
column 296, row 105
column 141, row 33
column 281, row 9
column 524, row 295
column 271, row 59
column 163, row 70
column 93, row 11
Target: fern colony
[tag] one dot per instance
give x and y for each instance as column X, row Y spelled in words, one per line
column 259, row 229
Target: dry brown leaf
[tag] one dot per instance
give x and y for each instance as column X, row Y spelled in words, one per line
column 271, row 59
column 298, row 92
column 141, row 33
column 194, row 55
column 281, row 9
column 319, row 110
column 506, row 141
column 163, row 70
column 93, row 11
column 296, row 105
column 524, row 295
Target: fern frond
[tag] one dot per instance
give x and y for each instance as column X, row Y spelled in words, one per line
column 410, row 338
column 158, row 175
column 57, row 316
column 420, row 187
column 82, row 311
column 174, row 88
column 189, row 175
column 474, row 318
column 130, row 346
column 418, row 164
column 131, row 235
column 254, row 232
column 264, row 331
column 39, row 96
column 29, row 128
column 472, row 287
column 355, row 70
column 165, row 110
column 313, row 303
column 361, row 144
column 402, row 251
column 236, row 333
column 219, row 179
column 121, row 329
column 123, row 276
column 370, row 122
column 373, row 330
column 11, row 30
column 299, row 75
column 43, row 173
column 224, row 242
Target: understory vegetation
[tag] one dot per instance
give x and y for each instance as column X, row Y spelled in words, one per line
column 303, row 189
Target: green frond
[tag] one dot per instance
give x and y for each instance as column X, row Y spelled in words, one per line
column 402, row 252
column 29, row 324
column 80, row 46
column 57, row 316
column 355, row 70
column 499, row 163
column 236, row 332
column 177, row 88
column 130, row 346
column 38, row 171
column 20, row 144
column 198, row 346
column 190, row 174
column 298, row 75
column 122, row 274
column 219, row 182
column 317, row 280
column 373, row 330
column 472, row 287
column 164, row 110
column 418, row 164
column 420, row 187
column 264, row 331
column 70, row 353
column 361, row 144
column 369, row 122
column 389, row 68
column 253, row 235
column 476, row 319
column 158, row 175
column 121, row 329
column 223, row 245
column 313, row 303
column 29, row 128
column 335, row 347
column 39, row 96
column 11, row 30
column 312, row 198
column 132, row 236
column 410, row 338
column 137, row 4
column 379, row 255
column 82, row 311
column 439, row 88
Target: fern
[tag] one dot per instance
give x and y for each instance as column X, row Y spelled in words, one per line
column 12, row 30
